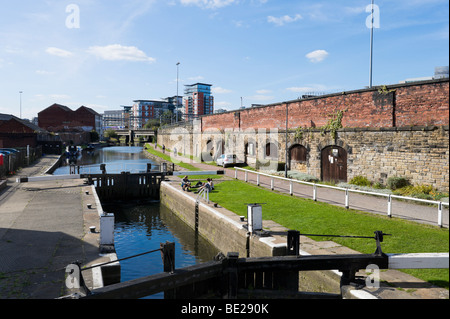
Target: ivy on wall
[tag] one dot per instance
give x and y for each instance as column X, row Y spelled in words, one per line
column 332, row 126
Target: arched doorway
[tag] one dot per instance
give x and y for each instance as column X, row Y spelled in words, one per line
column 334, row 164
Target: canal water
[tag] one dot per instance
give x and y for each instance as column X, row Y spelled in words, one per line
column 141, row 226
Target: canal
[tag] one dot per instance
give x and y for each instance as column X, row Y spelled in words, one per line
column 141, row 226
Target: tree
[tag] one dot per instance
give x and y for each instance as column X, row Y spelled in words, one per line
column 110, row 134
column 94, row 136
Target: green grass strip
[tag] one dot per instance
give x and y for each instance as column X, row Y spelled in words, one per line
column 168, row 158
column 308, row 216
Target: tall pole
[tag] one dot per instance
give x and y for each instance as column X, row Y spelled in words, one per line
column 177, row 89
column 286, row 143
column 20, row 93
column 371, row 45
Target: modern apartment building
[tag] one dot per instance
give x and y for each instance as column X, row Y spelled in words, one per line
column 144, row 110
column 114, row 120
column 198, row 100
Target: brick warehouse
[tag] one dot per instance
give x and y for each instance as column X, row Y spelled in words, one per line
column 71, row 125
column 394, row 130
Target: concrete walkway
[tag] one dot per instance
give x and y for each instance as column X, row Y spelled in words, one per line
column 42, row 230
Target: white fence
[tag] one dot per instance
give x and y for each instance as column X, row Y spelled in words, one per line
column 346, row 190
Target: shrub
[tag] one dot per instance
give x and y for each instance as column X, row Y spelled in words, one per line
column 421, row 191
column 395, row 182
column 360, row 181
column 303, row 177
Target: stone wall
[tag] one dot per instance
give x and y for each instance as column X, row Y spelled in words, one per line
column 420, row 154
column 380, row 135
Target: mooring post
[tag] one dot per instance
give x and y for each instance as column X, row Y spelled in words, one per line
column 168, row 256
column 293, row 243
column 232, row 259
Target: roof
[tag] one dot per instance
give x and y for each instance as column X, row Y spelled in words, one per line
column 7, row 117
column 65, row 108
column 87, row 109
column 198, row 84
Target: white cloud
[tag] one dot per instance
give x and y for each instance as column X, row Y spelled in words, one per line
column 58, row 52
column 117, row 52
column 263, row 91
column 44, row 72
column 317, row 56
column 196, row 78
column 208, row 4
column 219, row 90
column 284, row 19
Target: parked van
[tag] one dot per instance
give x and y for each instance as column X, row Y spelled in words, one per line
column 226, row 160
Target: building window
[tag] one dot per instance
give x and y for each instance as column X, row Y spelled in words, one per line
column 271, row 151
column 251, row 149
column 298, row 153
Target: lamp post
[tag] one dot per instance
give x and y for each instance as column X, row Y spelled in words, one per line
column 20, row 94
column 371, row 45
column 177, row 90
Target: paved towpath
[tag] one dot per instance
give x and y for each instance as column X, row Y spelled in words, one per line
column 420, row 213
column 42, row 230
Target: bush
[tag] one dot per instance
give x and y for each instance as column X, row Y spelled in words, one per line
column 360, row 181
column 394, row 183
column 421, row 191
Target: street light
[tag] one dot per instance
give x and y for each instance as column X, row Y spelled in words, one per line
column 371, row 46
column 20, row 93
column 177, row 89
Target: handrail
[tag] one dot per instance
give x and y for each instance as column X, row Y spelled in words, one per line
column 346, row 190
column 203, row 193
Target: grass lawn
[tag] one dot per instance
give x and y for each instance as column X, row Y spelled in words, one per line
column 312, row 217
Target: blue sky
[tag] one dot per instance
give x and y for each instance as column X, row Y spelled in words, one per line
column 104, row 54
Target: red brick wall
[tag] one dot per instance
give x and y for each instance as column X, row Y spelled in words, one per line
column 53, row 117
column 423, row 103
column 83, row 117
column 13, row 140
column 14, row 126
column 56, row 119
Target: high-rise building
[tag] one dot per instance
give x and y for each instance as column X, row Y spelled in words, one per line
column 198, row 100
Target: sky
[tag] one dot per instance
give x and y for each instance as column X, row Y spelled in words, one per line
column 105, row 54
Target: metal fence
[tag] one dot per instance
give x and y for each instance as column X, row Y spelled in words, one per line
column 14, row 161
column 347, row 191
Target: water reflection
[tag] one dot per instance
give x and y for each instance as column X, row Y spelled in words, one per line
column 142, row 227
column 117, row 159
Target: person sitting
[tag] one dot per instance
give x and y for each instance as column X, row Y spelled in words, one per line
column 211, row 183
column 199, row 184
column 185, row 183
column 209, row 186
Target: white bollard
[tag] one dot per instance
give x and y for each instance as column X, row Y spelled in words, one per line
column 107, row 229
